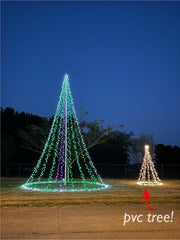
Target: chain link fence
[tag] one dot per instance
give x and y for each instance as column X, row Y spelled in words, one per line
column 132, row 171
column 171, row 171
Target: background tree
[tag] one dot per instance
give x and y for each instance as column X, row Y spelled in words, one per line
column 167, row 154
column 82, row 112
column 95, row 133
column 115, row 150
column 138, row 144
column 22, row 135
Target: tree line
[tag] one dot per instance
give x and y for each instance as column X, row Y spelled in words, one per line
column 23, row 136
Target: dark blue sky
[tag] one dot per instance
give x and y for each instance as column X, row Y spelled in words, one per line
column 123, row 59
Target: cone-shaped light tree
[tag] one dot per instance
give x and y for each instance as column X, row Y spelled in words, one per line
column 65, row 164
column 148, row 174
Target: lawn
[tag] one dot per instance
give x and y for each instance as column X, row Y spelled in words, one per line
column 121, row 191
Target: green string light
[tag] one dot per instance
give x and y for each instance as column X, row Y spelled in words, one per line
column 65, row 164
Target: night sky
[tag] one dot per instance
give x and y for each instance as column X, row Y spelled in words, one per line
column 123, row 60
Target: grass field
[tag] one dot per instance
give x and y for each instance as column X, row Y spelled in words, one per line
column 121, row 191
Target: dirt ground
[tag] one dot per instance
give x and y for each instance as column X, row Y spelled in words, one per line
column 88, row 215
column 87, row 222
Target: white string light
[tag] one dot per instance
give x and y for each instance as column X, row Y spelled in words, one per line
column 148, row 174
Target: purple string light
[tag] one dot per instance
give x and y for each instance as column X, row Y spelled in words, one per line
column 61, row 150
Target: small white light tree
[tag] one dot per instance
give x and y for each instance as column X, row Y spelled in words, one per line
column 148, row 174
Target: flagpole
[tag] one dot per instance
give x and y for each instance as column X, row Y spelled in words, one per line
column 65, row 172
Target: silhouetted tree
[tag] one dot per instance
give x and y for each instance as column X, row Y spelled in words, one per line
column 22, row 135
column 115, row 150
column 138, row 144
column 167, row 154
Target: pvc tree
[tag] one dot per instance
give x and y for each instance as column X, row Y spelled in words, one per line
column 148, row 174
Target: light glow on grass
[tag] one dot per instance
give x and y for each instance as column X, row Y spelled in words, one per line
column 58, row 186
column 150, row 183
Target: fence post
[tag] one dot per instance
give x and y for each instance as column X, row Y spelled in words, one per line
column 162, row 170
column 125, row 170
column 19, row 167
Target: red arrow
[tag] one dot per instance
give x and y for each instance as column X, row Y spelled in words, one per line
column 146, row 196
